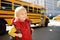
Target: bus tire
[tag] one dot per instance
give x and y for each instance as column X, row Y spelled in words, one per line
column 46, row 22
column 2, row 26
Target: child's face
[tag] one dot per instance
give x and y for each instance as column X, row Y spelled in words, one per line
column 22, row 14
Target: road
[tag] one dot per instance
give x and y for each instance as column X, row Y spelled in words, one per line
column 44, row 33
column 47, row 33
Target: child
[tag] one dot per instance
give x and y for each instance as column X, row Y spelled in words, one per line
column 21, row 22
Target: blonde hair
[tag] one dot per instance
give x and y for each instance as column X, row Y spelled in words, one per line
column 17, row 10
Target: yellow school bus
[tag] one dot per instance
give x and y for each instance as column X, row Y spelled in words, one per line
column 34, row 12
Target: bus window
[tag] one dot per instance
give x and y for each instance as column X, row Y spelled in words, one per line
column 3, row 0
column 43, row 12
column 6, row 5
column 26, row 7
column 35, row 10
column 16, row 5
column 30, row 9
column 39, row 11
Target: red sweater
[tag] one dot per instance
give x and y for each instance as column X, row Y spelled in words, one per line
column 24, row 28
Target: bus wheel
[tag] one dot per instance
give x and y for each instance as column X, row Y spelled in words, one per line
column 2, row 26
column 46, row 22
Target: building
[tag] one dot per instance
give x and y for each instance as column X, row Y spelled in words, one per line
column 52, row 8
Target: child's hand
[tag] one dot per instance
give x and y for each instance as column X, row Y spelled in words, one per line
column 32, row 29
column 19, row 35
